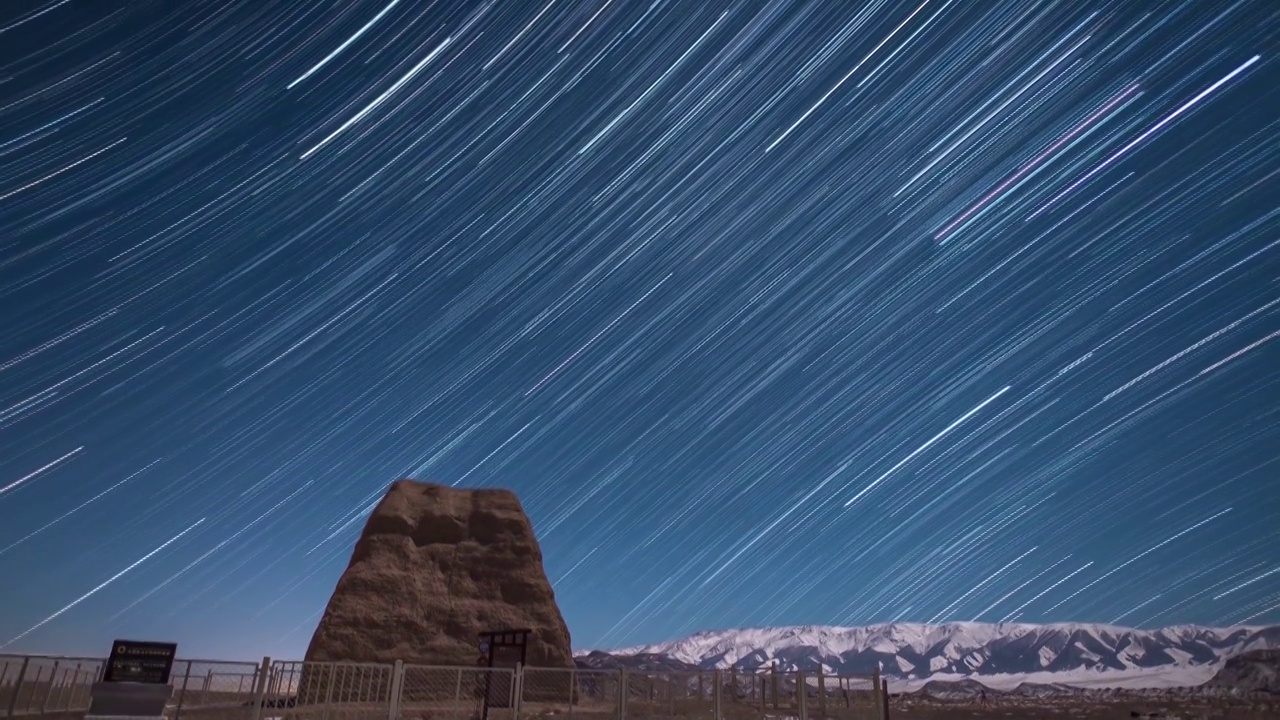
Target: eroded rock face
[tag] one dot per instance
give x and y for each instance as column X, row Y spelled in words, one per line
column 434, row 567
column 1255, row 671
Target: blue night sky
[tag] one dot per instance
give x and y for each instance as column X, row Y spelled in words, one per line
column 770, row 312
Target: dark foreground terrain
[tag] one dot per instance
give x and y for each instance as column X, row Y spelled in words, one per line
column 1093, row 706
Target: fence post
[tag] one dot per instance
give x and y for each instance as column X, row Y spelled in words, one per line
column 884, row 693
column 53, row 684
column 397, row 689
column 773, row 682
column 17, row 687
column 517, row 691
column 875, row 693
column 623, row 692
column 73, row 688
column 802, row 687
column 260, row 687
column 66, row 690
column 716, row 710
column 822, row 693
column 278, row 678
column 182, row 692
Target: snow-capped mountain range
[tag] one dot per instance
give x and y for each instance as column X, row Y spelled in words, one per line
column 910, row 654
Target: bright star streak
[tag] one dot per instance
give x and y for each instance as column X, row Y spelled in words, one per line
column 105, row 583
column 70, row 512
column 925, row 446
column 1035, row 161
column 1154, row 128
column 413, row 72
column 344, row 45
column 842, row 80
column 13, row 485
column 595, row 337
column 1137, row 557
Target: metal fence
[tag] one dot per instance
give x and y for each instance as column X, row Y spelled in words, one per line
column 718, row 695
column 455, row 693
column 46, row 685
column 58, row 689
column 214, row 689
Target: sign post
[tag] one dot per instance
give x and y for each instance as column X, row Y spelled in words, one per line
column 135, row 682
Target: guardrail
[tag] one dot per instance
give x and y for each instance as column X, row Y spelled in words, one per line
column 57, row 688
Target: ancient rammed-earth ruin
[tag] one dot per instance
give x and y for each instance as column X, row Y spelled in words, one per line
column 435, row 567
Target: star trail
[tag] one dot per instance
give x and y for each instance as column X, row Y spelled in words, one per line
column 770, row 312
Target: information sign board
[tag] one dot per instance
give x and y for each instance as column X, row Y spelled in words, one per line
column 140, row 662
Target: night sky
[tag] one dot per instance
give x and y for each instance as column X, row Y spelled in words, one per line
column 771, row 313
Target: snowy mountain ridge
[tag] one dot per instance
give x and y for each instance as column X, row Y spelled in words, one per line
column 910, row 653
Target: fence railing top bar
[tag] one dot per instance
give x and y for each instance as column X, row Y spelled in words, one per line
column 31, row 656
column 469, row 668
column 207, row 661
column 339, row 663
column 85, row 658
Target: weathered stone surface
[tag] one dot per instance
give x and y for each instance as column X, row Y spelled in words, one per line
column 434, row 567
column 1254, row 671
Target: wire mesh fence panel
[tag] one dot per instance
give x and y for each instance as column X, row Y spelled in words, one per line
column 213, row 690
column 745, row 695
column 433, row 692
column 598, row 694
column 569, row 693
column 660, row 695
column 35, row 685
column 782, row 694
column 841, row 698
column 327, row 691
column 283, row 681
column 774, row 695
column 11, row 671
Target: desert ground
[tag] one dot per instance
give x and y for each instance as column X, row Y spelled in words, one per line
column 1087, row 708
